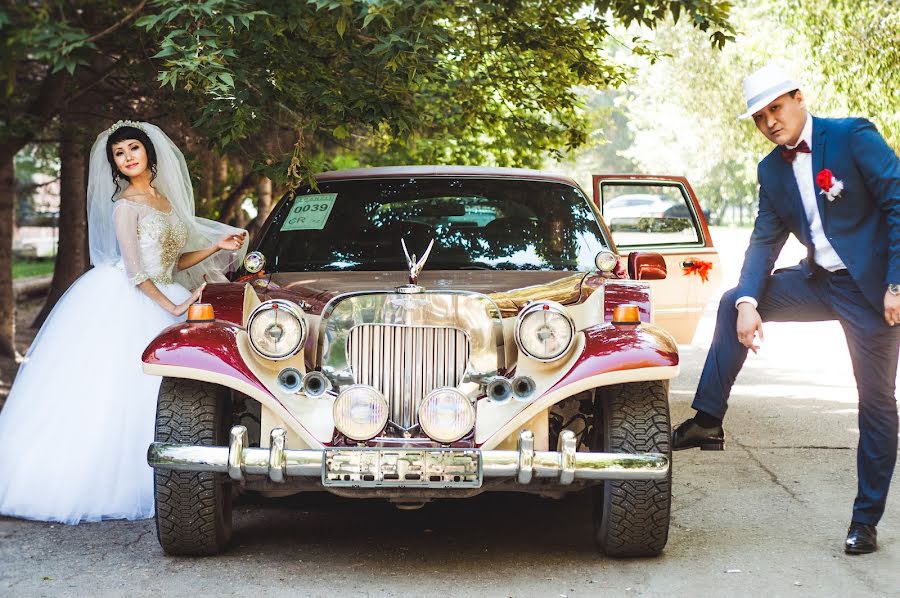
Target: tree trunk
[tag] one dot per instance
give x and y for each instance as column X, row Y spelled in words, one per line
column 263, row 204
column 7, row 219
column 71, row 257
column 232, row 204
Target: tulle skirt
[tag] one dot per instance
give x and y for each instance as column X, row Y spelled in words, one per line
column 75, row 429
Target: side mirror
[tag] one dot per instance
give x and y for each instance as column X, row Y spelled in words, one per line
column 646, row 265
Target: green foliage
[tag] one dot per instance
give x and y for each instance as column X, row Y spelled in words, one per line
column 22, row 268
column 400, row 80
column 682, row 111
column 854, row 52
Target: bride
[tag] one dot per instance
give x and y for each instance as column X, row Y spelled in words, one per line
column 75, row 429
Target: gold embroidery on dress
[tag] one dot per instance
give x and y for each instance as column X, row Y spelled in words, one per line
column 171, row 235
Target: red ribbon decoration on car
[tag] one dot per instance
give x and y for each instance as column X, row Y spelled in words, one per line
column 825, row 179
column 699, row 268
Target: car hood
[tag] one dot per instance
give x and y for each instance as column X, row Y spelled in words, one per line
column 510, row 290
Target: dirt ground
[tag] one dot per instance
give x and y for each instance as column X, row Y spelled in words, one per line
column 766, row 517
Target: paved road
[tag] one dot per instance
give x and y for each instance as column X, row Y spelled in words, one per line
column 765, row 517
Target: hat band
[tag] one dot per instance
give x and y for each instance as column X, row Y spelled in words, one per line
column 775, row 88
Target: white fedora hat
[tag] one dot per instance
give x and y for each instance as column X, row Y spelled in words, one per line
column 765, row 85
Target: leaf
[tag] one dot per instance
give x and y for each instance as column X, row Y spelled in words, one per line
column 166, row 51
column 340, row 132
column 341, row 26
column 227, row 79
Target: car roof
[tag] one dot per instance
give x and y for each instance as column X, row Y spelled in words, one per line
column 439, row 171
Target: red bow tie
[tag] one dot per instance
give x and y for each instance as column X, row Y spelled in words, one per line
column 790, row 155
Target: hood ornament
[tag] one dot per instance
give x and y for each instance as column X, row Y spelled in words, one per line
column 415, row 267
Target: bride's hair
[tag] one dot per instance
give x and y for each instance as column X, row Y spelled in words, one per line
column 121, row 134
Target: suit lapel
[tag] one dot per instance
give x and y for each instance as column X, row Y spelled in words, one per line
column 818, row 161
column 795, row 202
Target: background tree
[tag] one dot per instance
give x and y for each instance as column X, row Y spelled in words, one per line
column 681, row 112
column 244, row 81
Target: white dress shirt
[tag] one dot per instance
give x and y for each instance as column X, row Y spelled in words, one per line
column 824, row 253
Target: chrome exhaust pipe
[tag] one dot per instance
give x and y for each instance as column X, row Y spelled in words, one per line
column 290, row 380
column 523, row 387
column 498, row 389
column 315, row 384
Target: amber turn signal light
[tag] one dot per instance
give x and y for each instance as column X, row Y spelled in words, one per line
column 200, row 312
column 626, row 314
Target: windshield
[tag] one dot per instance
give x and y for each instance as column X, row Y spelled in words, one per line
column 476, row 223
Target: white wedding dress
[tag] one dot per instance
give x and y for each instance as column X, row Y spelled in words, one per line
column 75, row 429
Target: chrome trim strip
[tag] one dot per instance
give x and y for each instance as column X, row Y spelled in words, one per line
column 562, row 465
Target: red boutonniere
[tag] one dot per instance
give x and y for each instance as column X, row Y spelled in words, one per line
column 831, row 187
column 697, row 268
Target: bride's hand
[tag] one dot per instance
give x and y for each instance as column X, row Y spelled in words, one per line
column 232, row 242
column 181, row 308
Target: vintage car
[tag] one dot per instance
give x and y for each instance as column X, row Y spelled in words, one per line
column 523, row 351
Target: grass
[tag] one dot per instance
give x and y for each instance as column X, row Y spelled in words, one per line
column 36, row 267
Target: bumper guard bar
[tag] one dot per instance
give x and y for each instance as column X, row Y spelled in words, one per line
column 565, row 465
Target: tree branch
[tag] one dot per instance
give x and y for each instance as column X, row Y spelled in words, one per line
column 115, row 26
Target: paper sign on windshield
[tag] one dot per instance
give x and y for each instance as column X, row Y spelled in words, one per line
column 309, row 212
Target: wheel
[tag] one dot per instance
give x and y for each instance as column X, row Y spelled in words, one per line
column 193, row 509
column 631, row 517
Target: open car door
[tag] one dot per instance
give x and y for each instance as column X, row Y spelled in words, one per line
column 662, row 214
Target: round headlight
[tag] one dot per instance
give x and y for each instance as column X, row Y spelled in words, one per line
column 254, row 262
column 544, row 331
column 360, row 412
column 606, row 261
column 446, row 415
column 276, row 329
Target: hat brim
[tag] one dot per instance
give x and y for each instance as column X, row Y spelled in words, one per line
column 761, row 100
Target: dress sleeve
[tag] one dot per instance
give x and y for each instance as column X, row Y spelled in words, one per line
column 126, row 221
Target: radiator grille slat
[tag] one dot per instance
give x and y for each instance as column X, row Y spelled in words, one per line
column 406, row 363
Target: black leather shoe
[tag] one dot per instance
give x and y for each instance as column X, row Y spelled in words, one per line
column 861, row 538
column 691, row 435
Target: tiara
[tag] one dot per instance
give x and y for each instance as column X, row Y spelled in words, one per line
column 125, row 123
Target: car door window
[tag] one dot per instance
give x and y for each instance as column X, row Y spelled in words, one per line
column 642, row 214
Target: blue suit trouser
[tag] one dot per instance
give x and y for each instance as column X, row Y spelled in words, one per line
column 792, row 295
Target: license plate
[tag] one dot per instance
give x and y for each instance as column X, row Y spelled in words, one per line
column 392, row 467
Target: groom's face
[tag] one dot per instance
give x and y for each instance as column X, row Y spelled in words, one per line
column 783, row 119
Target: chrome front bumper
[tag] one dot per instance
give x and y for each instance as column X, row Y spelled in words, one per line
column 432, row 468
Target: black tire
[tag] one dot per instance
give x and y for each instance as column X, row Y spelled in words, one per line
column 631, row 517
column 193, row 509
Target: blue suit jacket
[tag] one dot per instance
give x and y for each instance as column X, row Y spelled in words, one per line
column 863, row 224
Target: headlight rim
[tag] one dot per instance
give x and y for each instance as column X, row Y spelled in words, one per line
column 293, row 309
column 466, row 400
column 337, row 402
column 555, row 308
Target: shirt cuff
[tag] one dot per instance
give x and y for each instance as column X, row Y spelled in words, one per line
column 746, row 299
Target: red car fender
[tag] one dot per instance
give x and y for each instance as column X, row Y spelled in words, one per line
column 209, row 352
column 609, row 355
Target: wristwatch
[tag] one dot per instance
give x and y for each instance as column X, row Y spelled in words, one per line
column 894, row 289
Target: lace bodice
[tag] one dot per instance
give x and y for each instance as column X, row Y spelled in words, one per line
column 150, row 241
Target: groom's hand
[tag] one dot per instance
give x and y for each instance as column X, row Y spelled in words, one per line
column 891, row 308
column 749, row 323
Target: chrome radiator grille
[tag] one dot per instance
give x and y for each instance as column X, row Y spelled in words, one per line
column 406, row 363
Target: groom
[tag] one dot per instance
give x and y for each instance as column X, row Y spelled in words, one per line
column 834, row 184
